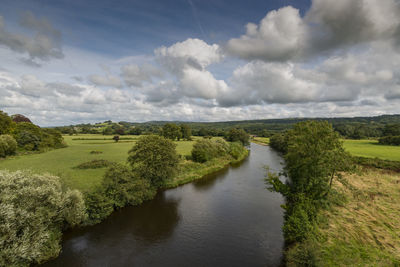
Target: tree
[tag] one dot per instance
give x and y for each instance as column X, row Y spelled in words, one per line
column 28, row 136
column 34, row 209
column 171, row 131
column 240, row 135
column 124, row 187
column 6, row 123
column 108, row 131
column 116, row 138
column 186, row 132
column 20, row 118
column 8, row 145
column 154, row 158
column 314, row 157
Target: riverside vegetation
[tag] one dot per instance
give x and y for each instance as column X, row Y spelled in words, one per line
column 336, row 213
column 127, row 172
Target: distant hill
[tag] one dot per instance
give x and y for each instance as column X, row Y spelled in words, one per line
column 355, row 127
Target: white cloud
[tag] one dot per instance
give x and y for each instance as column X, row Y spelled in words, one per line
column 328, row 25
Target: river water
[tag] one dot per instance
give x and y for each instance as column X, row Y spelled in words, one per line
column 225, row 219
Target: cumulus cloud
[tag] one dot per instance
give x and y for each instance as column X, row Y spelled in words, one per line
column 44, row 44
column 107, row 80
column 134, row 75
column 187, row 62
column 328, row 25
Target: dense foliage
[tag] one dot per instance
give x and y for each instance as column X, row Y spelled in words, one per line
column 279, row 142
column 171, row 131
column 154, row 158
column 238, row 135
column 8, row 145
column 390, row 140
column 120, row 187
column 6, row 123
column 34, row 209
column 207, row 149
column 314, row 157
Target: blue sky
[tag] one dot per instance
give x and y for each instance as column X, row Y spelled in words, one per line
column 118, row 28
column 66, row 62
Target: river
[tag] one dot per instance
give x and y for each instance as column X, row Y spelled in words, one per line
column 225, row 219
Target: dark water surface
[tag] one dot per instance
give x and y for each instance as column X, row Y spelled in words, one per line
column 226, row 219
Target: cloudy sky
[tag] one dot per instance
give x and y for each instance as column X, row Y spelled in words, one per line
column 64, row 62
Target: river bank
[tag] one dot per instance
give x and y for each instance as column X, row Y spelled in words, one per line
column 225, row 219
column 190, row 171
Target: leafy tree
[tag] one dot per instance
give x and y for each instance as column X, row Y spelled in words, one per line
column 116, row 138
column 171, row 131
column 108, row 131
column 28, row 136
column 186, row 132
column 154, row 158
column 392, row 130
column 135, row 131
column 8, row 145
column 20, row 118
column 315, row 156
column 240, row 135
column 207, row 149
column 6, row 123
column 34, row 209
column 124, row 187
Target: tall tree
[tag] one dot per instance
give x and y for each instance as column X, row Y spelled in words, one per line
column 186, row 132
column 171, row 131
column 154, row 158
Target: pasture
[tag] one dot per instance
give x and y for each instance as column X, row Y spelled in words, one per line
column 371, row 149
column 61, row 162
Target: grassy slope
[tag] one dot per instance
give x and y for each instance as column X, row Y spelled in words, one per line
column 371, row 149
column 61, row 161
column 365, row 231
column 260, row 140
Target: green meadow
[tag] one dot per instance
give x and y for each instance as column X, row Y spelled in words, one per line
column 371, row 149
column 61, row 162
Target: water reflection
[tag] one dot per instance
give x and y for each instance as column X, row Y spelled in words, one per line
column 226, row 219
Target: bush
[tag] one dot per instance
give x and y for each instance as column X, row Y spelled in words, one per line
column 154, row 158
column 279, row 142
column 236, row 149
column 98, row 206
column 34, row 209
column 123, row 187
column 120, row 187
column 235, row 135
column 94, row 164
column 389, row 140
column 6, row 123
column 206, row 149
column 8, row 145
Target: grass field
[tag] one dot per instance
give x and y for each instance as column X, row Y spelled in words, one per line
column 371, row 149
column 365, row 231
column 61, row 161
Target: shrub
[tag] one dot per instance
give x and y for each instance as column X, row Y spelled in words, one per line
column 34, row 209
column 6, row 123
column 154, row 158
column 94, row 164
column 389, row 140
column 124, row 187
column 98, row 206
column 206, row 149
column 240, row 135
column 8, row 145
column 28, row 136
column 236, row 149
column 52, row 138
column 96, row 152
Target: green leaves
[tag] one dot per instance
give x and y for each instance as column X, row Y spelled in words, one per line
column 154, row 158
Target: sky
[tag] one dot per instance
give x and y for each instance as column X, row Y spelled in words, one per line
column 68, row 62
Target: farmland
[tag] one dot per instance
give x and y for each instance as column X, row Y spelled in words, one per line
column 61, row 162
column 371, row 149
